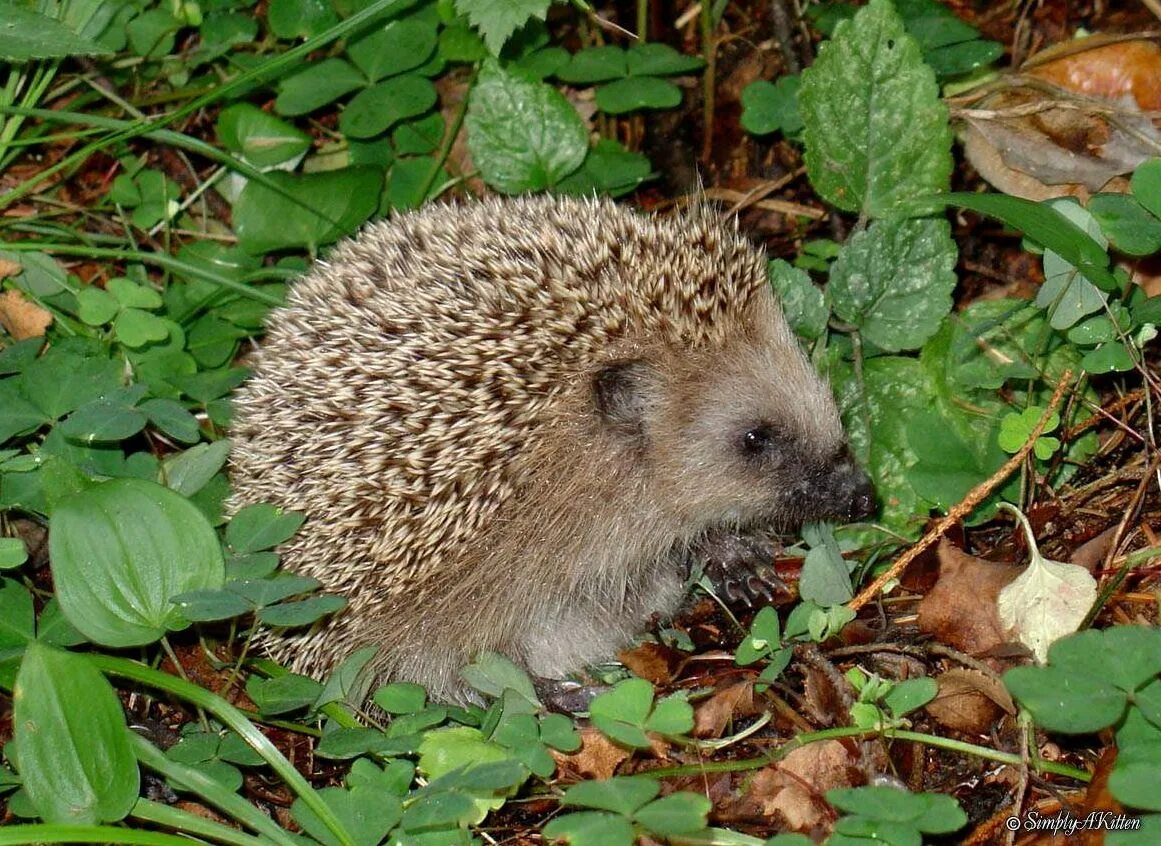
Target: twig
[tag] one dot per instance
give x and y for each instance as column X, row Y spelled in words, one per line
column 974, row 497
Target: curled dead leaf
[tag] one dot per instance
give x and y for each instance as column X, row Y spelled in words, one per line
column 21, row 317
column 969, row 701
column 714, row 715
column 960, row 610
column 1108, row 67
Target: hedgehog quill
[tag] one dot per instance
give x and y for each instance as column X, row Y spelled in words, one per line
column 513, row 424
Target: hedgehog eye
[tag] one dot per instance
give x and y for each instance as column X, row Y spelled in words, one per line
column 757, row 440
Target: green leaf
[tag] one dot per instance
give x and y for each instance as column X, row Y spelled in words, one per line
column 498, row 19
column 374, row 109
column 367, row 814
column 317, row 85
column 591, row 828
column 1127, row 223
column 106, row 420
column 608, row 169
column 419, row 137
column 120, row 550
column 401, row 698
column 1146, row 185
column 637, row 92
column 132, row 295
column 60, row 381
column 771, row 107
column 396, row 48
column 12, row 554
column 673, row 715
column 71, row 740
column 17, row 617
column 594, row 64
column 894, row 280
column 905, row 696
column 189, row 471
column 656, row 59
column 876, row 131
column 172, row 418
column 96, row 307
column 27, row 34
column 301, row 613
column 261, row 526
column 676, row 814
column 18, row 416
column 136, row 328
column 326, row 206
column 1042, row 223
column 620, row 794
column 492, row 674
column 926, row 812
column 151, row 34
column 290, row 19
column 803, row 303
column 259, row 137
column 523, row 134
column 283, row 694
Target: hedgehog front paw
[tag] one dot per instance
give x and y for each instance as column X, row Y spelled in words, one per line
column 740, row 566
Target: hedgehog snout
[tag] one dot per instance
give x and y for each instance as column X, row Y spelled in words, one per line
column 852, row 494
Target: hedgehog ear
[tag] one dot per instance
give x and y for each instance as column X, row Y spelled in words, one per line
column 623, row 391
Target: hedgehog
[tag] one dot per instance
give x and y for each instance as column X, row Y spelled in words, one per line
column 514, row 423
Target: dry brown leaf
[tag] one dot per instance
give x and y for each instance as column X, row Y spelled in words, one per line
column 960, row 610
column 793, row 789
column 9, row 268
column 969, row 701
column 712, row 716
column 653, row 662
column 21, row 317
column 1109, row 70
column 1038, row 142
column 598, row 756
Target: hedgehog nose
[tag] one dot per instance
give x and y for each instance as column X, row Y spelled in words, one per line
column 862, row 504
column 858, row 494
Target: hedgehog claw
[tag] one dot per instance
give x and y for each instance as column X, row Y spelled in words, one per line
column 740, row 568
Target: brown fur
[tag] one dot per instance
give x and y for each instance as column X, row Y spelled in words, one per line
column 427, row 398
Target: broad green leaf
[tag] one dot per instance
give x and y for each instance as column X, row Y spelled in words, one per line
column 329, row 205
column 656, row 59
column 317, row 85
column 804, row 305
column 893, row 281
column 608, row 169
column 132, row 295
column 524, row 135
column 498, row 19
column 71, row 739
column 1128, row 224
column 419, row 137
column 18, row 416
column 675, row 814
column 367, row 814
column 189, row 471
column 637, row 92
column 876, row 410
column 259, row 137
column 97, row 307
column 1066, row 293
column 12, row 553
column 591, row 828
column 60, row 381
column 620, row 794
column 594, row 64
column 291, row 19
column 1042, row 223
column 396, row 48
column 304, row 612
column 136, row 328
column 16, row 612
column 876, row 131
column 120, row 550
column 261, row 526
column 375, row 109
column 28, row 34
column 1146, row 185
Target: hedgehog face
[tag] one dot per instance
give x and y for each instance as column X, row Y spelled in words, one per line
column 743, row 434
